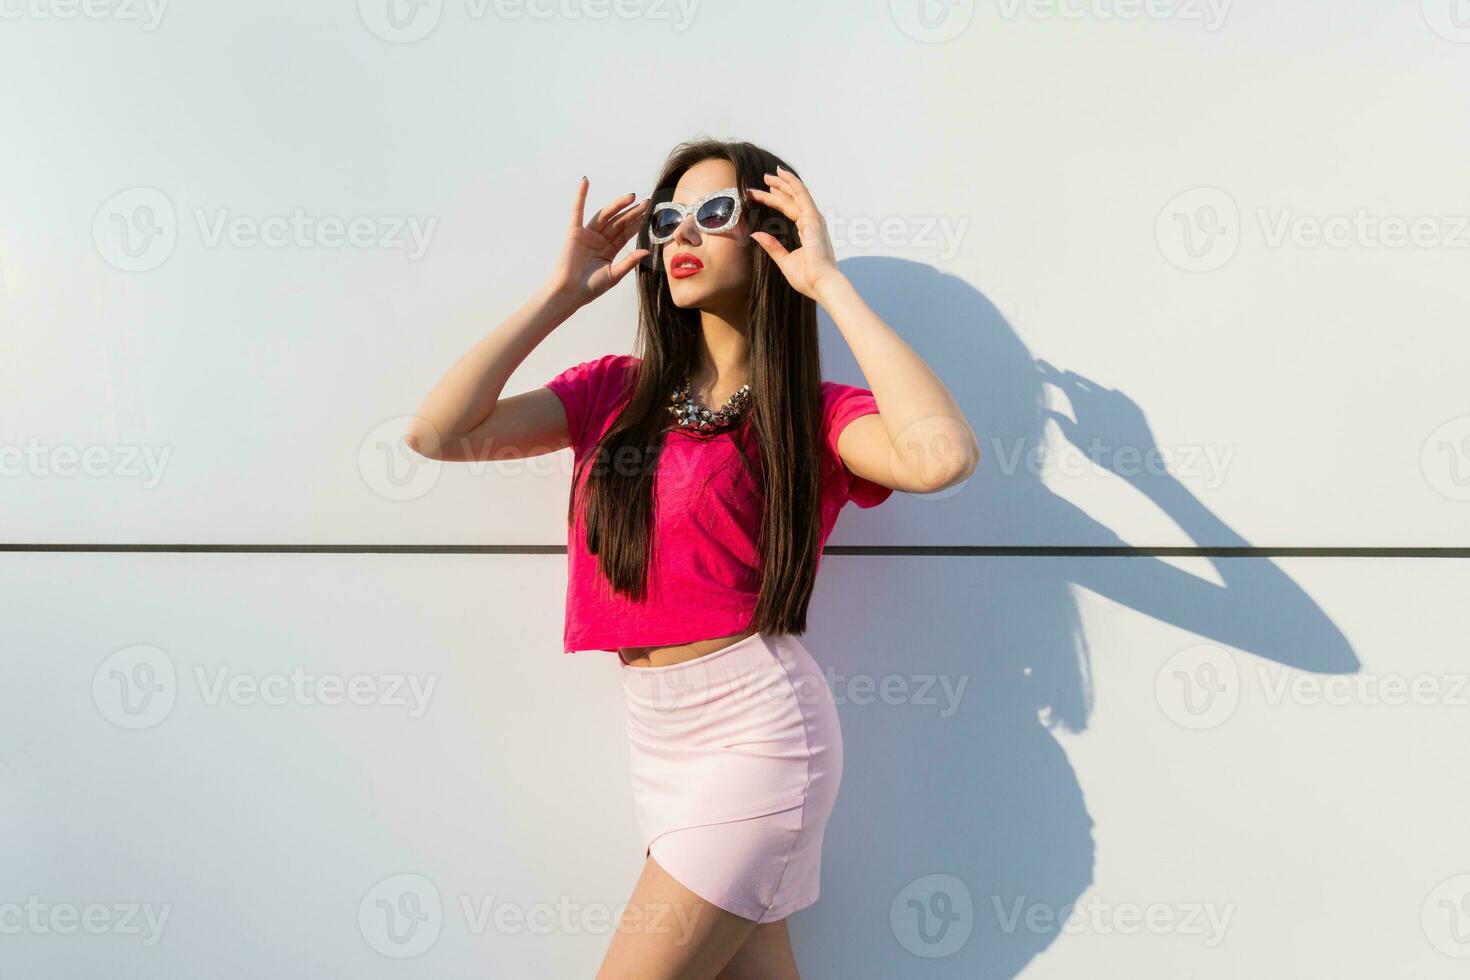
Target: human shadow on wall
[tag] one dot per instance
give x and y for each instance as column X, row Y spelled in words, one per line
column 986, row 795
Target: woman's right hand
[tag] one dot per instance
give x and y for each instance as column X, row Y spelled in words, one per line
column 585, row 269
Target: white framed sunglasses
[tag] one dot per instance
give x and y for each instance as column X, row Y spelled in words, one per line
column 717, row 211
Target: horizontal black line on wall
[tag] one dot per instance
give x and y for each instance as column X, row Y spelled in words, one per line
column 932, row 551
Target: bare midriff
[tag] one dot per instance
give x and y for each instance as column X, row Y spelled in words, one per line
column 663, row 656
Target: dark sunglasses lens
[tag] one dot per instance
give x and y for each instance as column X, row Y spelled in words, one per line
column 716, row 212
column 665, row 221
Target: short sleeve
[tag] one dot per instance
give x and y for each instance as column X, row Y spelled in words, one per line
column 842, row 404
column 589, row 393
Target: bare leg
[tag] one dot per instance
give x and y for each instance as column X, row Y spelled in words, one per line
column 766, row 955
column 669, row 933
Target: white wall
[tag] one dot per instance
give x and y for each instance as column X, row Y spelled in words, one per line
column 1059, row 189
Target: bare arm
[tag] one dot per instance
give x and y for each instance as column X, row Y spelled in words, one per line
column 918, row 441
column 464, row 416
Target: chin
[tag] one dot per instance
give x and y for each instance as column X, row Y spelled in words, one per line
column 686, row 298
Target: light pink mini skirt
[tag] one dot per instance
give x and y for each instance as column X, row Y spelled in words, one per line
column 736, row 759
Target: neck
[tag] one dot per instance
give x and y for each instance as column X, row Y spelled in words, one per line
column 722, row 364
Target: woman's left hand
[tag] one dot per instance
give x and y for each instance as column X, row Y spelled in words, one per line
column 812, row 261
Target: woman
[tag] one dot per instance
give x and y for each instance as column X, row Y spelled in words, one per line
column 709, row 471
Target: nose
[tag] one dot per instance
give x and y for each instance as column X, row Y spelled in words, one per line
column 687, row 232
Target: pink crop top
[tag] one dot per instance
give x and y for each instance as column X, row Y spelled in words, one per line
column 703, row 579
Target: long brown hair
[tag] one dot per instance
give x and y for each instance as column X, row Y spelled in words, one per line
column 778, row 440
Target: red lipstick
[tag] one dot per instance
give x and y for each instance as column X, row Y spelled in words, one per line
column 684, row 265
